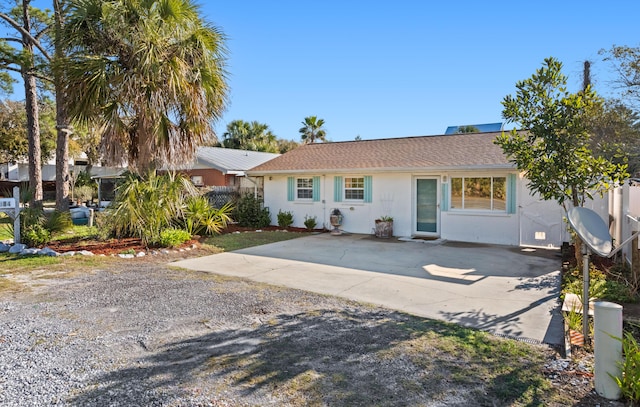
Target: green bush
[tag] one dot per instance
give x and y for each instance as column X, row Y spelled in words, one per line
column 57, row 221
column 200, row 218
column 143, row 207
column 285, row 219
column 310, row 222
column 250, row 213
column 36, row 227
column 629, row 383
column 84, row 179
column 173, row 237
column 601, row 288
column 84, row 193
column 35, row 235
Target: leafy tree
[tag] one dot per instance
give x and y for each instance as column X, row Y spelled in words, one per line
column 13, row 127
column 251, row 136
column 38, row 30
column 150, row 72
column 286, row 145
column 86, row 140
column 626, row 61
column 615, row 134
column 312, row 130
column 18, row 54
column 553, row 149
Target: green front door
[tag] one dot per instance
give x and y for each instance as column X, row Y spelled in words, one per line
column 427, row 205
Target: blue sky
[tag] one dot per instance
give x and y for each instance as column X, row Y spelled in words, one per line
column 408, row 68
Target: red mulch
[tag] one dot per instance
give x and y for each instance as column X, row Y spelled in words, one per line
column 117, row 246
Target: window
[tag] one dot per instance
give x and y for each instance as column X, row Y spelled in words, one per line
column 479, row 193
column 304, row 188
column 354, row 188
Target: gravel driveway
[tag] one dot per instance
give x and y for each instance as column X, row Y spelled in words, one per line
column 141, row 334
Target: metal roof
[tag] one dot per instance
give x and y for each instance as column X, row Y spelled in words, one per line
column 231, row 161
column 482, row 128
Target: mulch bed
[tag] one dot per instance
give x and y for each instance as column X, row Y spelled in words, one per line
column 117, row 246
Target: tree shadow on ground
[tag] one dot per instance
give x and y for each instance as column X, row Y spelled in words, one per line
column 508, row 325
column 319, row 358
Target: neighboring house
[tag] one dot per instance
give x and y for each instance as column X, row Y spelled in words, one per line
column 216, row 166
column 457, row 187
column 481, row 128
column 19, row 173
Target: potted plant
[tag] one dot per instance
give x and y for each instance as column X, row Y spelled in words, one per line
column 384, row 227
column 336, row 221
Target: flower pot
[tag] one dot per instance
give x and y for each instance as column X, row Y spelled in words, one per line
column 384, row 229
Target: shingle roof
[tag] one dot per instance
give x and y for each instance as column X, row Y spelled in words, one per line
column 471, row 150
column 227, row 159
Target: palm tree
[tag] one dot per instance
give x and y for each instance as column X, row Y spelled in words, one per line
column 252, row 136
column 150, row 72
column 236, row 135
column 312, row 130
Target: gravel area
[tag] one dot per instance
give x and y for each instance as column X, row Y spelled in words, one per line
column 140, row 334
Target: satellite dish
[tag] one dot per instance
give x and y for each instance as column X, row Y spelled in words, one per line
column 591, row 229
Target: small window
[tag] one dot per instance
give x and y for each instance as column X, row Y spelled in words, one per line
column 197, row 180
column 304, row 188
column 479, row 193
column 354, row 188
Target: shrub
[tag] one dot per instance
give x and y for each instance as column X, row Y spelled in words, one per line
column 201, row 218
column 173, row 237
column 601, row 288
column 250, row 213
column 84, row 179
column 285, row 219
column 83, row 193
column 143, row 207
column 36, row 227
column 629, row 383
column 310, row 222
column 58, row 221
column 35, row 235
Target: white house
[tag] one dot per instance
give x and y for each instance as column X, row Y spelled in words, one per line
column 457, row 187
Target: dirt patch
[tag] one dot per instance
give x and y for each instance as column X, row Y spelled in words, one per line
column 149, row 335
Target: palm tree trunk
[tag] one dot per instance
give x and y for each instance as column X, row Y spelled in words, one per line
column 62, row 122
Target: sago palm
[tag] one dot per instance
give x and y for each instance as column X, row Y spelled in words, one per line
column 152, row 72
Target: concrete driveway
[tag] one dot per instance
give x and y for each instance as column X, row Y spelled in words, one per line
column 500, row 289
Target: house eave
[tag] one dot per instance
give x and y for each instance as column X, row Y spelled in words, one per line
column 384, row 170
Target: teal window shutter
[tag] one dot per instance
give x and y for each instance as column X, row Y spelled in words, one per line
column 444, row 199
column 511, row 193
column 316, row 189
column 337, row 189
column 291, row 188
column 368, row 186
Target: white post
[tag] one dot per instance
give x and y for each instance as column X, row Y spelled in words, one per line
column 607, row 348
column 585, row 292
column 16, row 215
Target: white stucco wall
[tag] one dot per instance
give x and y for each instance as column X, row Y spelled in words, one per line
column 393, row 195
column 535, row 222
